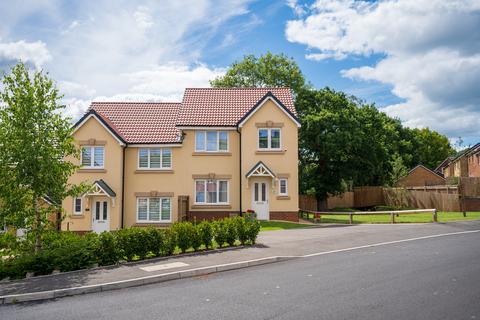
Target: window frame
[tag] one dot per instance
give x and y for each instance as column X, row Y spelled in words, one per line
column 148, row 210
column 92, row 157
column 149, row 149
column 280, row 193
column 75, row 212
column 204, row 132
column 205, row 181
column 269, row 139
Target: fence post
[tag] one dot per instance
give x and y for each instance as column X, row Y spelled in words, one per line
column 435, row 215
column 392, row 217
column 351, row 218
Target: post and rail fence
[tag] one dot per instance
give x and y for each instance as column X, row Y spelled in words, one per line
column 317, row 214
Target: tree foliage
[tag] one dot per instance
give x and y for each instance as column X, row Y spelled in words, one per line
column 35, row 140
column 268, row 70
column 343, row 141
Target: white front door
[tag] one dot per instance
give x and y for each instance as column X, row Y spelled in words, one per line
column 101, row 216
column 260, row 200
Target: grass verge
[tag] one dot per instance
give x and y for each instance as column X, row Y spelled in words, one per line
column 406, row 218
column 281, row 225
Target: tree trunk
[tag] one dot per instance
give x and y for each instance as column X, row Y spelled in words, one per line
column 38, row 225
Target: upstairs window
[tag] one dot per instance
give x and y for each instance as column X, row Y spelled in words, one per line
column 269, row 139
column 154, row 158
column 211, row 141
column 92, row 157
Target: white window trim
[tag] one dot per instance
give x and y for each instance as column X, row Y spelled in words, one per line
column 218, row 141
column 148, row 210
column 218, row 191
column 161, row 159
column 92, row 157
column 280, row 187
column 75, row 212
column 269, row 139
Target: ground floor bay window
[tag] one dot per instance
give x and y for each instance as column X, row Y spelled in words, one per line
column 154, row 210
column 211, row 191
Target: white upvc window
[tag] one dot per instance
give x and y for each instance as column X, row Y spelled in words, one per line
column 93, row 157
column 283, row 187
column 211, row 141
column 154, row 209
column 154, row 158
column 211, row 192
column 77, row 206
column 269, row 139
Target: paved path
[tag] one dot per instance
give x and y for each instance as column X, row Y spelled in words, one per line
column 273, row 243
column 433, row 278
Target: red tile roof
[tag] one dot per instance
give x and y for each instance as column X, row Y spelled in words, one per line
column 225, row 106
column 139, row 122
column 153, row 122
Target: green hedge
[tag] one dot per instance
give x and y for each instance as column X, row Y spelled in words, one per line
column 68, row 251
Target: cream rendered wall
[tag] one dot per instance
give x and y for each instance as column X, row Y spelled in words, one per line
column 112, row 175
column 285, row 162
column 185, row 164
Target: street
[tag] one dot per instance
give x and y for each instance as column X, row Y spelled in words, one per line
column 436, row 278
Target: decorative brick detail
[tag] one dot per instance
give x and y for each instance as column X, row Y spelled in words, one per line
column 286, row 216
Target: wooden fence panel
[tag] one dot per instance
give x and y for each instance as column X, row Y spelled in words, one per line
column 344, row 200
column 368, row 197
column 421, row 199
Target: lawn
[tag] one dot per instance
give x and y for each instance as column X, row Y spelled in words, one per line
column 280, row 225
column 407, row 218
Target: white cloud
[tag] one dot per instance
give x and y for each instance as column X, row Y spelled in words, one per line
column 33, row 52
column 430, row 54
column 106, row 50
column 297, row 9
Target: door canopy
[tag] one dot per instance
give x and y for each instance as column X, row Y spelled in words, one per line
column 260, row 170
column 101, row 188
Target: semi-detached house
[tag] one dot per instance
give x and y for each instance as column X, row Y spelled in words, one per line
column 216, row 153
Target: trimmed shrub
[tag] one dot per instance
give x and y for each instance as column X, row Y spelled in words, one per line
column 169, row 241
column 220, row 232
column 196, row 238
column 205, row 230
column 76, row 255
column 132, row 242
column 107, row 249
column 252, row 228
column 154, row 241
column 185, row 235
column 231, row 231
column 241, row 229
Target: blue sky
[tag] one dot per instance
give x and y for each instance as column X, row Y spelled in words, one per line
column 418, row 60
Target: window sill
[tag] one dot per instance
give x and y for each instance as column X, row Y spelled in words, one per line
column 211, row 206
column 154, row 171
column 283, row 197
column 77, row 216
column 219, row 153
column 269, row 151
column 87, row 170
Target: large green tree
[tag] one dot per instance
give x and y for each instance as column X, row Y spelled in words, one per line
column 268, row 70
column 343, row 141
column 35, row 141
